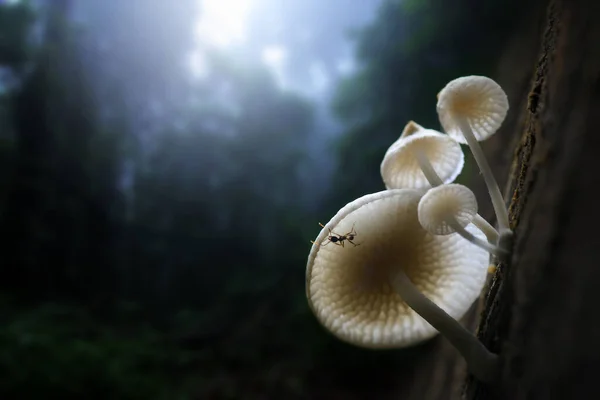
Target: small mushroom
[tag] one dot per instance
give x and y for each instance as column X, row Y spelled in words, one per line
column 447, row 209
column 402, row 284
column 471, row 109
column 421, row 158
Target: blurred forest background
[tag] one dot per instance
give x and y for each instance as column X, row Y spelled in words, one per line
column 157, row 208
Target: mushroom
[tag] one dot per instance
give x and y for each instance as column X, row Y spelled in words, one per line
column 383, row 293
column 447, row 209
column 471, row 109
column 423, row 158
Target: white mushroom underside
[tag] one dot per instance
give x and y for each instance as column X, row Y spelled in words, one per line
column 348, row 287
column 400, row 168
column 477, row 99
column 444, row 203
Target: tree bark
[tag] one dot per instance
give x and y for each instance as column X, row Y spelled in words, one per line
column 541, row 312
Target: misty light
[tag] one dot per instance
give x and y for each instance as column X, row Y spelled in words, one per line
column 319, row 77
column 222, row 23
column 346, row 66
column 275, row 58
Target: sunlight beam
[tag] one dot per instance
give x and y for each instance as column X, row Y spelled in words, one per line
column 275, row 58
column 222, row 23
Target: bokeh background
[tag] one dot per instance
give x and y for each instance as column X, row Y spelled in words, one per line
column 165, row 164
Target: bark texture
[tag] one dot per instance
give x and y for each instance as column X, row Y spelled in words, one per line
column 542, row 310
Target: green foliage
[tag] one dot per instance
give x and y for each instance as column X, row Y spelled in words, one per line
column 56, row 216
column 61, row 352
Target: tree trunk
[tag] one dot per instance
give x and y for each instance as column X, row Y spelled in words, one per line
column 540, row 311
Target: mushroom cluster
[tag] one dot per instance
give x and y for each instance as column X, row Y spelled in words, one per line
column 420, row 251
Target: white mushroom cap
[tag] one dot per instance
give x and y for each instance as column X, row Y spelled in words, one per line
column 349, row 288
column 444, row 203
column 477, row 99
column 400, row 168
column 410, row 128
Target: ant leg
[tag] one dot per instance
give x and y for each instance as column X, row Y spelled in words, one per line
column 355, row 244
column 331, row 233
column 327, row 241
column 352, row 231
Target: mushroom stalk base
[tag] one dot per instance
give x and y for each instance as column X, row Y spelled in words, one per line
column 483, row 364
column 489, row 247
column 488, row 176
column 488, row 230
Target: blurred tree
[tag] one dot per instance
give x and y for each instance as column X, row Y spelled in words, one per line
column 59, row 225
column 16, row 22
column 226, row 180
column 122, row 183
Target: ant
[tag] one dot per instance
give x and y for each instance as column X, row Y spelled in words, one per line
column 338, row 239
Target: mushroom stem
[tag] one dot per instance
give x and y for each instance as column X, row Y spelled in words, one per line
column 434, row 180
column 489, row 247
column 482, row 363
column 488, row 230
column 428, row 170
column 488, row 176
